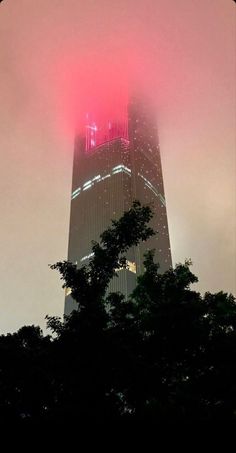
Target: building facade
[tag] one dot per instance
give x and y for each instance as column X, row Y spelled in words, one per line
column 113, row 166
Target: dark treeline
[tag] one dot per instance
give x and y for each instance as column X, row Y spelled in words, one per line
column 166, row 354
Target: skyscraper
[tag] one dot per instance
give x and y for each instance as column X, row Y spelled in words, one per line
column 114, row 164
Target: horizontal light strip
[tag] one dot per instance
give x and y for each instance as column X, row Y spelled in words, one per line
column 162, row 199
column 87, row 187
column 77, row 190
column 86, row 257
column 121, row 168
column 105, row 177
column 153, row 189
column 107, row 143
column 87, row 183
column 118, row 166
column 98, row 178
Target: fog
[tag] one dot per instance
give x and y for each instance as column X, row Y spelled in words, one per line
column 61, row 58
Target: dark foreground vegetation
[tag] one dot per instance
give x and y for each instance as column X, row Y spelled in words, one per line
column 166, row 354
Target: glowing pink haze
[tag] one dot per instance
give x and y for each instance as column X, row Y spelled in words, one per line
column 61, row 59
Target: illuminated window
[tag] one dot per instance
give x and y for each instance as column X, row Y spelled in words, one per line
column 67, row 291
column 131, row 266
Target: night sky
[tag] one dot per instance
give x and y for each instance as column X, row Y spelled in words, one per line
column 59, row 58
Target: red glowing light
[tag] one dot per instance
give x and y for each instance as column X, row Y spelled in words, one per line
column 92, row 93
column 106, row 131
column 95, row 91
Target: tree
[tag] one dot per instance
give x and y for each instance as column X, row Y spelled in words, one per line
column 24, row 384
column 188, row 348
column 87, row 338
column 165, row 354
column 169, row 352
column 91, row 281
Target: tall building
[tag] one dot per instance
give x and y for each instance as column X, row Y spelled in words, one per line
column 115, row 164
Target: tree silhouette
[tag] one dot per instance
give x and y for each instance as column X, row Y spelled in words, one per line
column 165, row 354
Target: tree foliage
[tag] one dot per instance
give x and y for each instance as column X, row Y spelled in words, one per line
column 165, row 354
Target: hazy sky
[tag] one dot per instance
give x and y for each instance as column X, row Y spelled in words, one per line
column 58, row 55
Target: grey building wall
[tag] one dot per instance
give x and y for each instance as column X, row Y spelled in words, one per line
column 106, row 179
